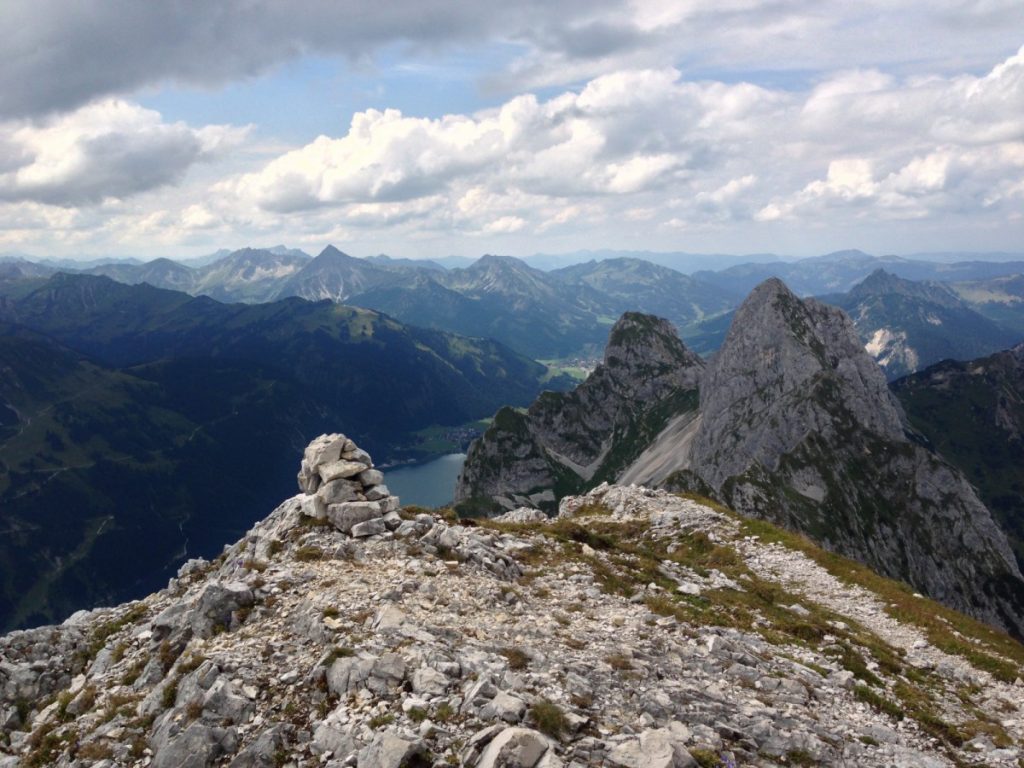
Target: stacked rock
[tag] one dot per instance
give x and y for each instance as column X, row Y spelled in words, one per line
column 342, row 486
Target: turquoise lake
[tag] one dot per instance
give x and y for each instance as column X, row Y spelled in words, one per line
column 431, row 484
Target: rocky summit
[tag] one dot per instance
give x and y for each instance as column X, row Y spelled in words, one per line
column 795, row 424
column 638, row 629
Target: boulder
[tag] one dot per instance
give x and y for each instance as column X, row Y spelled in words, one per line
column 504, row 706
column 350, row 513
column 654, row 749
column 429, row 682
column 322, row 450
column 514, row 748
column 371, row 477
column 215, row 605
column 523, row 515
column 376, row 492
column 340, row 469
column 388, row 750
column 339, row 491
column 198, row 746
column 262, row 753
column 368, row 528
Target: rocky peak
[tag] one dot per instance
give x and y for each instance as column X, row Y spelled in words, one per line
column 881, row 283
column 799, row 427
column 645, row 353
column 781, row 348
column 332, row 254
column 569, row 441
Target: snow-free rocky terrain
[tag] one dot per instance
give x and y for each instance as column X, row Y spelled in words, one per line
column 637, row 629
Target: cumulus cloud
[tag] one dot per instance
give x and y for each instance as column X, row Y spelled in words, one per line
column 625, row 157
column 652, row 146
column 622, row 134
column 110, row 148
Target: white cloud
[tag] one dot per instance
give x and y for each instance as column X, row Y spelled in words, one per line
column 108, row 149
column 642, row 157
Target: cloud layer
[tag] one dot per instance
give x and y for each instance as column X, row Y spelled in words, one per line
column 59, row 55
column 734, row 124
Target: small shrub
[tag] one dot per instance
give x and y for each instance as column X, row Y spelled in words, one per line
column 168, row 653
column 95, row 751
column 378, row 721
column 517, row 659
column 309, row 553
column 549, row 718
column 132, row 673
column 170, row 693
column 705, row 758
column 879, row 702
column 417, row 715
column 191, row 664
column 593, row 509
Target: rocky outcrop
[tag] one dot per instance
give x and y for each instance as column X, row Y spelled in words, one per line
column 568, row 441
column 798, row 426
column 638, row 629
column 795, row 424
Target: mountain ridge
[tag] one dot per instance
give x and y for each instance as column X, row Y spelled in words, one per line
column 796, row 424
column 410, row 640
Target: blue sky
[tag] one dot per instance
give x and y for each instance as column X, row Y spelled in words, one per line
column 429, row 128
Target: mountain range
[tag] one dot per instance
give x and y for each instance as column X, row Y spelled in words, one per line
column 974, row 307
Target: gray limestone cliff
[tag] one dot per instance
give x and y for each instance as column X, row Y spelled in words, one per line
column 569, row 441
column 799, row 427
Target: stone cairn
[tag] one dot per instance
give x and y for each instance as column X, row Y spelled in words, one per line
column 341, row 486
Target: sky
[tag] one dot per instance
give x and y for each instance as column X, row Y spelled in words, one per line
column 420, row 128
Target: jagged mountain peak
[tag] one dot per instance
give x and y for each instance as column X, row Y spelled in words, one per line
column 799, row 426
column 575, row 439
column 330, row 253
column 637, row 342
column 780, row 341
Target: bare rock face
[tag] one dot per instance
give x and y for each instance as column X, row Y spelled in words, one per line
column 799, row 427
column 569, row 441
